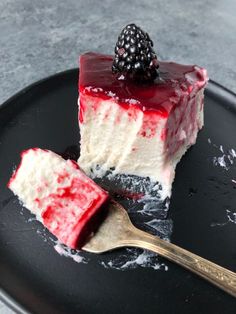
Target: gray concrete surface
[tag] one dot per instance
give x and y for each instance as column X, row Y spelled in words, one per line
column 39, row 37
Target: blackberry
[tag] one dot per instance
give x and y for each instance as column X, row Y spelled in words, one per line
column 134, row 55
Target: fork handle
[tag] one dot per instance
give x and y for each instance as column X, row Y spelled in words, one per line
column 217, row 275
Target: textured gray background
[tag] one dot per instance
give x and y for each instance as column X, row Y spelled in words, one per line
column 39, row 37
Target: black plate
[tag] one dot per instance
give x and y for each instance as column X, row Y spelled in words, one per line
column 35, row 278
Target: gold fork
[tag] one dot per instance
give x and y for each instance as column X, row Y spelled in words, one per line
column 117, row 231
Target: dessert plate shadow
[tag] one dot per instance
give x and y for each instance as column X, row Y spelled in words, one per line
column 34, row 278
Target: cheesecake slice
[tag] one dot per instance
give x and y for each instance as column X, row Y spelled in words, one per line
column 61, row 196
column 134, row 134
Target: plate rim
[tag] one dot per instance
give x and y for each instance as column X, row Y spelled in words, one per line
column 213, row 89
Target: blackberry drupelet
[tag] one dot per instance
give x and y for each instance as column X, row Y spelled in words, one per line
column 134, row 55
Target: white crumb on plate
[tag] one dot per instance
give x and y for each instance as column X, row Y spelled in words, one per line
column 233, row 153
column 230, row 218
column 225, row 158
column 65, row 251
column 221, row 149
column 220, row 161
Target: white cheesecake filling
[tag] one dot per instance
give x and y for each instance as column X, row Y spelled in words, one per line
column 111, row 138
column 41, row 176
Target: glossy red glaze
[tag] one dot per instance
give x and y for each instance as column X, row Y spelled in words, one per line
column 97, row 79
